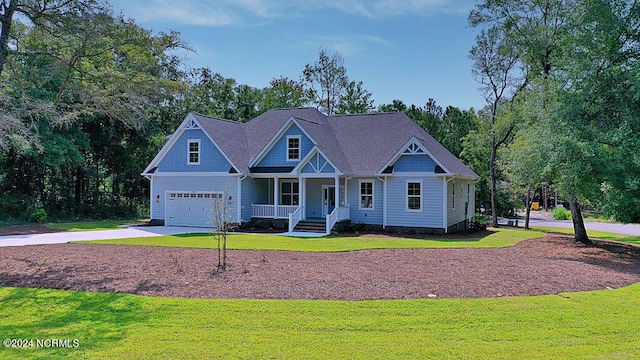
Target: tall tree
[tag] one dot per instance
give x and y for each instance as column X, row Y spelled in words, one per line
column 327, row 80
column 355, row 100
column 283, row 93
column 495, row 66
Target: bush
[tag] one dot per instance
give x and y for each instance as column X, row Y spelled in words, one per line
column 478, row 223
column 561, row 213
column 38, row 215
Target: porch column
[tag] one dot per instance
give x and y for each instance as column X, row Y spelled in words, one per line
column 337, row 192
column 276, row 196
column 303, row 196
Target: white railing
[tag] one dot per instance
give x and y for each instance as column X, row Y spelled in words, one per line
column 272, row 211
column 338, row 214
column 294, row 218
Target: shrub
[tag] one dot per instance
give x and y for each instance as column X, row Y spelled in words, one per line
column 38, row 215
column 478, row 223
column 561, row 213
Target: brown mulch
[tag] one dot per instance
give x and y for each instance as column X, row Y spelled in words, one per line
column 541, row 266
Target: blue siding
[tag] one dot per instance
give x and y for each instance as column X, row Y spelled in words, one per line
column 161, row 184
column 313, row 206
column 432, row 206
column 211, row 160
column 414, row 164
column 278, row 154
column 366, row 216
column 254, row 191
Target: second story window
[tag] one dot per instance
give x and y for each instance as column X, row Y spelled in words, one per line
column 193, row 156
column 293, row 148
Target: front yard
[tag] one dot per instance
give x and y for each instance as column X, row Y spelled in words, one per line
column 596, row 324
column 344, row 297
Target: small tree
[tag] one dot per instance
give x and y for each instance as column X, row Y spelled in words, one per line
column 222, row 222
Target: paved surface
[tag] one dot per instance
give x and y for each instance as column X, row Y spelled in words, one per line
column 128, row 232
column 541, row 218
column 124, row 233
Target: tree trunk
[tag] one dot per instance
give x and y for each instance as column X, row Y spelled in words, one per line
column 492, row 177
column 527, row 210
column 578, row 222
column 6, row 20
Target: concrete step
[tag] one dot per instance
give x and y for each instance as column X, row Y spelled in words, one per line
column 310, row 226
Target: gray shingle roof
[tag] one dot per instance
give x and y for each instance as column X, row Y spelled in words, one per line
column 356, row 144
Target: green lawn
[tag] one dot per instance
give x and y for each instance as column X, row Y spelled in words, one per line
column 597, row 324
column 91, row 225
column 595, row 234
column 499, row 238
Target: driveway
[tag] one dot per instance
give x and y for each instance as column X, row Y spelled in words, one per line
column 128, row 232
column 541, row 218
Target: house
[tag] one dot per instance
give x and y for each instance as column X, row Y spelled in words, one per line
column 378, row 169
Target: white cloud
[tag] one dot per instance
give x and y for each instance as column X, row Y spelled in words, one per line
column 233, row 12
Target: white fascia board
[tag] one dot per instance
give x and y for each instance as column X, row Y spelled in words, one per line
column 314, row 150
column 274, row 140
column 416, row 140
column 176, row 135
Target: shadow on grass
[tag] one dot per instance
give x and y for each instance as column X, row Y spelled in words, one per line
column 95, row 320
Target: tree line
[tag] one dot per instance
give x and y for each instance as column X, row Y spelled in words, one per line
column 89, row 97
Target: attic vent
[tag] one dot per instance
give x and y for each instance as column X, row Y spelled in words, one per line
column 192, row 124
column 414, row 149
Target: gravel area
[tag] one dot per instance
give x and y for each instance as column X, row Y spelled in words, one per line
column 541, row 266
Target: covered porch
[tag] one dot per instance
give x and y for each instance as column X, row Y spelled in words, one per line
column 318, row 199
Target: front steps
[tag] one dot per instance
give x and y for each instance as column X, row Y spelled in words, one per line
column 311, row 226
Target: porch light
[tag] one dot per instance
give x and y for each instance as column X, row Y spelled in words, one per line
column 230, row 200
column 158, row 198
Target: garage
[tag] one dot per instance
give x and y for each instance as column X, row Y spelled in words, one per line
column 190, row 209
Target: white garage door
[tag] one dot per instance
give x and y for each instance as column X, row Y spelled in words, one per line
column 190, row 209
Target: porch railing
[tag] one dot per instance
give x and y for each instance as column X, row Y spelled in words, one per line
column 294, row 218
column 273, row 211
column 338, row 214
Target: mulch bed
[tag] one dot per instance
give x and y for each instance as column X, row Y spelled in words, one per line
column 534, row 267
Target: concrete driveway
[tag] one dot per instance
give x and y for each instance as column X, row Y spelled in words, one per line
column 127, row 232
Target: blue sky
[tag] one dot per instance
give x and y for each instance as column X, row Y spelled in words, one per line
column 410, row 50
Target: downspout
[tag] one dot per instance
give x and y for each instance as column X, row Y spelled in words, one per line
column 445, row 194
column 384, row 201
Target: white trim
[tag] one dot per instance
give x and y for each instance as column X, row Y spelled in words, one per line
column 151, row 200
column 385, row 207
column 413, row 140
column 274, row 140
column 189, row 152
column 406, row 195
column 290, row 137
column 195, row 173
column 373, row 192
column 306, row 160
column 453, row 195
column 188, row 121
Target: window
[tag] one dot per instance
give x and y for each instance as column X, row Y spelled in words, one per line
column 453, row 195
column 366, row 195
column 289, row 193
column 293, row 148
column 193, row 152
column 414, row 196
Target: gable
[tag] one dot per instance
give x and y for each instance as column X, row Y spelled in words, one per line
column 276, row 156
column 176, row 158
column 317, row 164
column 414, row 164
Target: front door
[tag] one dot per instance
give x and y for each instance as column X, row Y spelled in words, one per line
column 328, row 199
